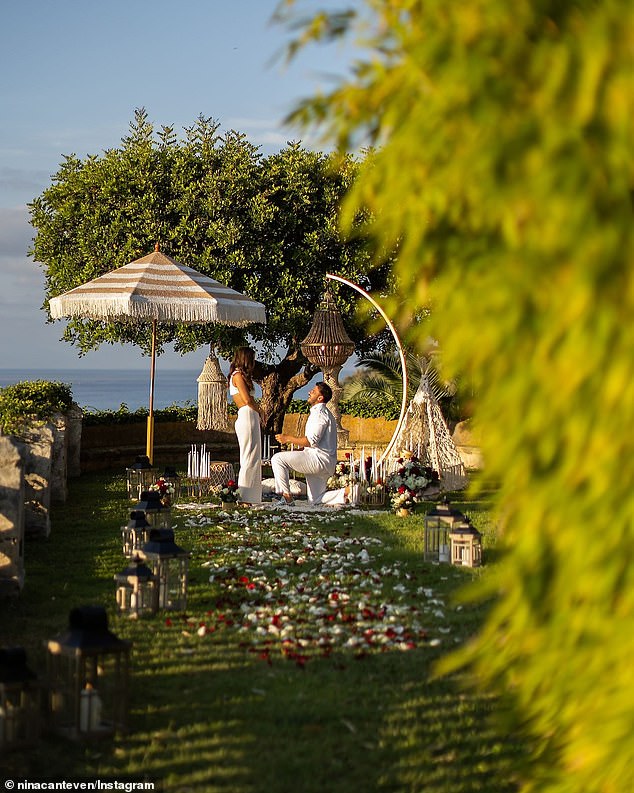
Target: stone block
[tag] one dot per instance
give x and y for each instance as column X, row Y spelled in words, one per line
column 74, row 419
column 36, row 448
column 59, row 457
column 11, row 518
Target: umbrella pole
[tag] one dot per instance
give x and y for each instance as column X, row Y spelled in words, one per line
column 150, row 419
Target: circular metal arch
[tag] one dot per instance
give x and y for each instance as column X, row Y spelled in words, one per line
column 401, row 354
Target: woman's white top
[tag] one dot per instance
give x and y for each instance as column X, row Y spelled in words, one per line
column 233, row 390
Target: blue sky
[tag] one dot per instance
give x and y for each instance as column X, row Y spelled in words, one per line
column 73, row 72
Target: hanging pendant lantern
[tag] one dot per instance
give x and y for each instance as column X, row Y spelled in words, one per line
column 212, row 396
column 328, row 346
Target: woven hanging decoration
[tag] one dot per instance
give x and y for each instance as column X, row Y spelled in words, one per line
column 327, row 344
column 212, row 397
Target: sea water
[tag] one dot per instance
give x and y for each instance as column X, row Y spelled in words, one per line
column 108, row 389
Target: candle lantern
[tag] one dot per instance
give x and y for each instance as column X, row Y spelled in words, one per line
column 437, row 525
column 88, row 669
column 171, row 478
column 466, row 545
column 157, row 514
column 19, row 701
column 136, row 533
column 137, row 589
column 140, row 475
column 169, row 563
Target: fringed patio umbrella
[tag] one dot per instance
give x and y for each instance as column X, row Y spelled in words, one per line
column 157, row 288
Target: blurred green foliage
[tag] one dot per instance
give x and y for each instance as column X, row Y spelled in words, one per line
column 502, row 173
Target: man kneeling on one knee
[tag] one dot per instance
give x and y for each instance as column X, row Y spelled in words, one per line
column 317, row 457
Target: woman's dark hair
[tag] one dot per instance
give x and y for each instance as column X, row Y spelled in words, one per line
column 244, row 362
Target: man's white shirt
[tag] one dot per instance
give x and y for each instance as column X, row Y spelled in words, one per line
column 321, row 432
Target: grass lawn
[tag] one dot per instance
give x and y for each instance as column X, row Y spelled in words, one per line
column 302, row 663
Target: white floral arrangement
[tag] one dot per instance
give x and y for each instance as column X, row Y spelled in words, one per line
column 344, row 474
column 408, row 483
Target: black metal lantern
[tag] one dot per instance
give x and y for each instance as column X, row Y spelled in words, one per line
column 158, row 515
column 137, row 589
column 139, row 476
column 136, row 533
column 437, row 524
column 466, row 545
column 88, row 670
column 169, row 563
column 328, row 346
column 19, row 701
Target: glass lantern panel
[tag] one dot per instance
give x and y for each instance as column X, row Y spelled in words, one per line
column 138, row 480
column 172, row 578
column 88, row 693
column 136, row 599
column 19, row 715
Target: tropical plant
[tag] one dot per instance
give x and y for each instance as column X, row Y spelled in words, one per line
column 504, row 174
column 381, row 378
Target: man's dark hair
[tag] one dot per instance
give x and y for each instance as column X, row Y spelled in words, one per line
column 325, row 390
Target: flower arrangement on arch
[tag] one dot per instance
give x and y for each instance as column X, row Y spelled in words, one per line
column 229, row 493
column 408, row 483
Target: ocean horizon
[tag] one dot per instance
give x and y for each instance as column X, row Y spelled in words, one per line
column 107, row 389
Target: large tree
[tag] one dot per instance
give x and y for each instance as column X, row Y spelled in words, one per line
column 266, row 226
column 508, row 128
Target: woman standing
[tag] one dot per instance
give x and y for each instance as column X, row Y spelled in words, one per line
column 247, row 425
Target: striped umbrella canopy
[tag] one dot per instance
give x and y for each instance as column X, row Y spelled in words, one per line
column 157, row 288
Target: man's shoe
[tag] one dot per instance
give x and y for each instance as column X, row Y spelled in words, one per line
column 282, row 502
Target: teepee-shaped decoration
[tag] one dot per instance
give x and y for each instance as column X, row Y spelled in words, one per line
column 212, row 396
column 424, row 433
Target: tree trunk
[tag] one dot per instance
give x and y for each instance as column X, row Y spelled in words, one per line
column 279, row 384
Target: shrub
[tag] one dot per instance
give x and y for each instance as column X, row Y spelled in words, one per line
column 28, row 401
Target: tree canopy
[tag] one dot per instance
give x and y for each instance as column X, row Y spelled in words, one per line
column 266, row 226
column 504, row 172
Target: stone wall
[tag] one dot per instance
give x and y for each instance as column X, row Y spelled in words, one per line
column 116, row 446
column 11, row 518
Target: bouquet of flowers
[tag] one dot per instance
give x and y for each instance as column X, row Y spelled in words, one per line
column 403, row 498
column 164, row 488
column 344, row 474
column 229, row 494
column 408, row 483
column 347, row 472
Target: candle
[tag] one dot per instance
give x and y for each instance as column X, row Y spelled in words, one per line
column 7, row 724
column 89, row 709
